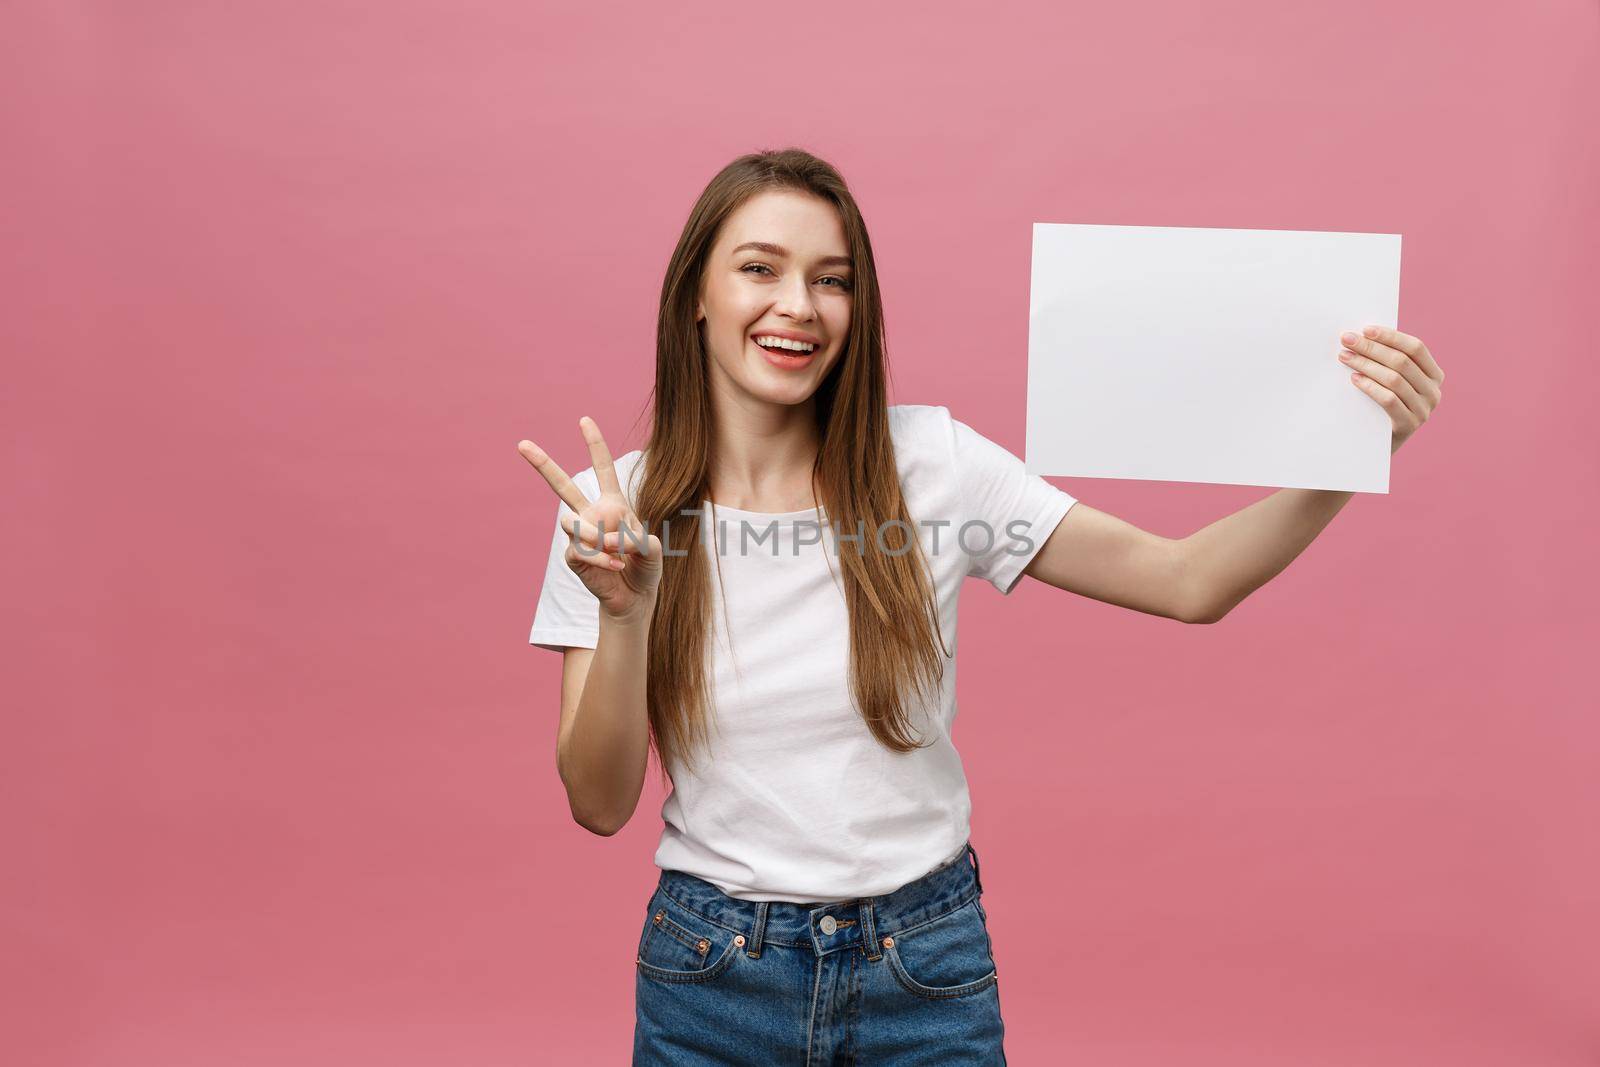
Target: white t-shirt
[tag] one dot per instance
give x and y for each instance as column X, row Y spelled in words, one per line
column 796, row 800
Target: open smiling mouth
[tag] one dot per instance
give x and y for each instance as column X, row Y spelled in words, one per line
column 786, row 358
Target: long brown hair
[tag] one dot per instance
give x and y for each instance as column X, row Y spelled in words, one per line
column 889, row 595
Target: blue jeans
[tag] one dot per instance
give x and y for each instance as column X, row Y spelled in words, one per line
column 901, row 979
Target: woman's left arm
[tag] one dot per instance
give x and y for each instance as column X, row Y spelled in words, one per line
column 1200, row 578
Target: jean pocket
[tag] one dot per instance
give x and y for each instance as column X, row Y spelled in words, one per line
column 948, row 957
column 678, row 945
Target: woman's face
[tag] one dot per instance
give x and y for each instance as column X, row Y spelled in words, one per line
column 798, row 286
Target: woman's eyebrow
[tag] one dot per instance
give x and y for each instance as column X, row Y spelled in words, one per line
column 778, row 250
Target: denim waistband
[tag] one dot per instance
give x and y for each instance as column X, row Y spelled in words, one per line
column 831, row 927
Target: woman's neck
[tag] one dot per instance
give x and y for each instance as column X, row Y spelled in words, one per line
column 764, row 457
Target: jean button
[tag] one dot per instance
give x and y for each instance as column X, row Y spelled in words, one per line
column 829, row 924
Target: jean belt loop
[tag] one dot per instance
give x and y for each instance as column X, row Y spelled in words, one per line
column 869, row 930
column 974, row 854
column 753, row 949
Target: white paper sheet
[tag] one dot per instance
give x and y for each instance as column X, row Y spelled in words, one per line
column 1206, row 355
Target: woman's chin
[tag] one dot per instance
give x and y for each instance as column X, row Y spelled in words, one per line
column 787, row 393
column 762, row 382
column 779, row 385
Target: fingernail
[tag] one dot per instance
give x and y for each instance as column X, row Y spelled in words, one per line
column 1348, row 338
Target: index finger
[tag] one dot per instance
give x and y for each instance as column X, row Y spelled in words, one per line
column 604, row 470
column 564, row 487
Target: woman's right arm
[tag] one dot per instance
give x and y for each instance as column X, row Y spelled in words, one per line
column 603, row 741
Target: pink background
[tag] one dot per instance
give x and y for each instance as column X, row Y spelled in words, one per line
column 287, row 282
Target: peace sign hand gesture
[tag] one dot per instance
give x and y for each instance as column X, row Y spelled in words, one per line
column 624, row 572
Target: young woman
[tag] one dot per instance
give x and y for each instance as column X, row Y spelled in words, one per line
column 767, row 592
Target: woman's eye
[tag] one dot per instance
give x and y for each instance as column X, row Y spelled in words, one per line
column 833, row 277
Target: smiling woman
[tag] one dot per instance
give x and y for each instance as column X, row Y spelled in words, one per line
column 787, row 865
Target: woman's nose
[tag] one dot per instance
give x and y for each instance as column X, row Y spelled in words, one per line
column 795, row 301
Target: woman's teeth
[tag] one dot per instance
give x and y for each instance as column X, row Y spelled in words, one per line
column 784, row 343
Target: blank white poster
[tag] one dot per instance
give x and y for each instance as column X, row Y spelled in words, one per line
column 1206, row 355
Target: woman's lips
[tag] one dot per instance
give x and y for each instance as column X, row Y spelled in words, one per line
column 785, row 359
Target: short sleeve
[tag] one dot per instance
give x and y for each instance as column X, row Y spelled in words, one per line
column 1019, row 510
column 568, row 615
